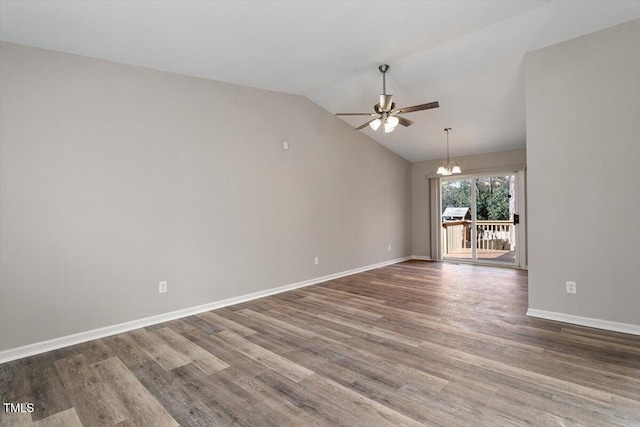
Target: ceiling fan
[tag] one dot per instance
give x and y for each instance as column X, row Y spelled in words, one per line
column 385, row 111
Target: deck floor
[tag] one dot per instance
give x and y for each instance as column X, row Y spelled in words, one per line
column 484, row 254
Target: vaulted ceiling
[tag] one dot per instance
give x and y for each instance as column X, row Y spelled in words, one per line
column 468, row 55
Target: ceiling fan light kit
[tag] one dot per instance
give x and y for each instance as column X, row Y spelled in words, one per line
column 385, row 111
column 448, row 167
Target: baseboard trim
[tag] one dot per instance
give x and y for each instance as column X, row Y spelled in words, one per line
column 68, row 340
column 608, row 325
column 421, row 258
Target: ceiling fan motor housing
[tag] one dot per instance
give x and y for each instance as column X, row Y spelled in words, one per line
column 386, row 103
column 380, row 110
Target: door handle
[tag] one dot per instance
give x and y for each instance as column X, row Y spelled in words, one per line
column 516, row 219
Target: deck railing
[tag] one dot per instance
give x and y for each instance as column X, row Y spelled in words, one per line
column 456, row 236
column 498, row 235
column 495, row 235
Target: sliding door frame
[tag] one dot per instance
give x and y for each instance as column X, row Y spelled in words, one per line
column 519, row 208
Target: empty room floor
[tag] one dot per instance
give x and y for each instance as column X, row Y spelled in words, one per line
column 416, row 343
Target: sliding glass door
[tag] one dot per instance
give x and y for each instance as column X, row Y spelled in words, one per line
column 495, row 209
column 456, row 219
column 479, row 218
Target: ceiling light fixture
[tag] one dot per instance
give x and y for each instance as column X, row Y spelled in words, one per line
column 448, row 167
column 390, row 123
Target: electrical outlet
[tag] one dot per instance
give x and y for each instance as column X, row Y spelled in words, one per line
column 285, row 145
column 571, row 287
column 389, row 248
column 316, row 260
column 162, row 287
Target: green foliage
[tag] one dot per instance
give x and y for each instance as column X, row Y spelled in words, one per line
column 492, row 196
column 456, row 194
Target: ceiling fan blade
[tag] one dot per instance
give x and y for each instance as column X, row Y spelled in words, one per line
column 404, row 122
column 417, row 108
column 365, row 125
column 356, row 114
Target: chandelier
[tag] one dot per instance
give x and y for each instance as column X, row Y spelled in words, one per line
column 448, row 167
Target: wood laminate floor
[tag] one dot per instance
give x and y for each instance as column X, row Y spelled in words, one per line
column 416, row 343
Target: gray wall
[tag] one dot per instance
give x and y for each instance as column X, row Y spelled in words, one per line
column 115, row 177
column 583, row 157
column 421, row 206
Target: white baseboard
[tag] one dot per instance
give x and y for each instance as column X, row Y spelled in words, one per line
column 421, row 258
column 66, row 341
column 608, row 325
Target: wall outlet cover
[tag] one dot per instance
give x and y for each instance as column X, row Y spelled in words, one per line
column 571, row 287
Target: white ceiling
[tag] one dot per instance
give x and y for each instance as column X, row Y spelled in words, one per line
column 465, row 54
